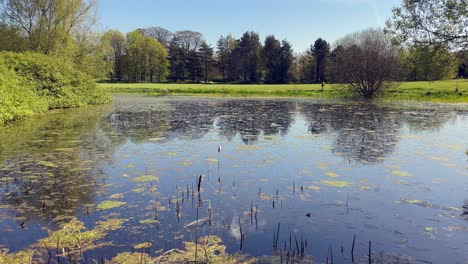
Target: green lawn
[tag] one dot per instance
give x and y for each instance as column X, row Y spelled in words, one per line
column 439, row 91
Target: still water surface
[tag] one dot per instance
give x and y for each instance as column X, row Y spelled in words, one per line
column 395, row 174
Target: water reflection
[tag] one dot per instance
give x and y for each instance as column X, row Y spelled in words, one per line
column 145, row 151
column 71, row 144
column 249, row 119
column 50, row 164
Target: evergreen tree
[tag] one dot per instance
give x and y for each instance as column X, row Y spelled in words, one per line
column 271, row 53
column 222, row 53
column 286, row 61
column 206, row 57
column 177, row 60
column 249, row 49
column 320, row 51
column 194, row 66
column 277, row 59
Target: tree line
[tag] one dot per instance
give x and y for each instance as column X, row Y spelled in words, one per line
column 155, row 54
column 424, row 40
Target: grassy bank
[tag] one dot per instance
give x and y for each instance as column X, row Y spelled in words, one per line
column 439, row 91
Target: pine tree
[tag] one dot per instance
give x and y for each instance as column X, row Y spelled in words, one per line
column 206, row 58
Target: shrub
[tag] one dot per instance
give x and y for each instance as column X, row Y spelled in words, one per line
column 17, row 101
column 57, row 80
column 32, row 82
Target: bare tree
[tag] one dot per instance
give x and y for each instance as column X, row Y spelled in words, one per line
column 190, row 40
column 162, row 35
column 369, row 62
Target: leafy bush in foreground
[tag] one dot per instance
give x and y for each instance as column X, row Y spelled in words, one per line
column 16, row 101
column 32, row 82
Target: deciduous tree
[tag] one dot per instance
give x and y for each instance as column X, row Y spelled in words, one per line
column 369, row 62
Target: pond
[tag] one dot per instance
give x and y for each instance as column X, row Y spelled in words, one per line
column 265, row 176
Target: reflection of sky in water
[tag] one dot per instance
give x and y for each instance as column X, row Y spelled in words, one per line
column 405, row 165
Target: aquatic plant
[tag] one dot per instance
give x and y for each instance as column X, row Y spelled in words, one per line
column 108, row 204
column 339, row 184
column 21, row 257
column 72, row 237
column 145, row 178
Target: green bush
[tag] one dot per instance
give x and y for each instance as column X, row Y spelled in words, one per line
column 31, row 83
column 16, row 100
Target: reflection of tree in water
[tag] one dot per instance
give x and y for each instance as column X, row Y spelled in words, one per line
column 427, row 119
column 465, row 210
column 51, row 169
column 249, row 118
column 366, row 132
column 37, row 190
column 139, row 125
column 192, row 119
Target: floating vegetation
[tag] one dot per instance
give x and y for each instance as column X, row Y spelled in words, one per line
column 138, row 190
column 207, row 250
column 65, row 149
column 131, row 258
column 313, row 188
column 21, row 257
column 401, row 173
column 116, row 196
column 265, row 197
column 339, row 184
column 111, row 224
column 212, row 161
column 149, row 221
column 332, row 174
column 47, row 164
column 145, row 178
column 109, row 204
column 73, row 238
column 142, row 245
column 417, row 202
column 157, row 139
column 429, row 229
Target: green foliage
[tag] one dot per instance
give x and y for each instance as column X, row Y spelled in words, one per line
column 17, row 101
column 144, row 58
column 431, row 22
column 428, row 63
column 11, row 39
column 32, row 83
column 60, row 28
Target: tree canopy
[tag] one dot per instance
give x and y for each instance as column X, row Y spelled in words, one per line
column 431, row 22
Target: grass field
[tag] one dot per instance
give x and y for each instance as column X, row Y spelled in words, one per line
column 438, row 91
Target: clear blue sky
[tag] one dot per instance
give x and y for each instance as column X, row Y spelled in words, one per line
column 298, row 21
